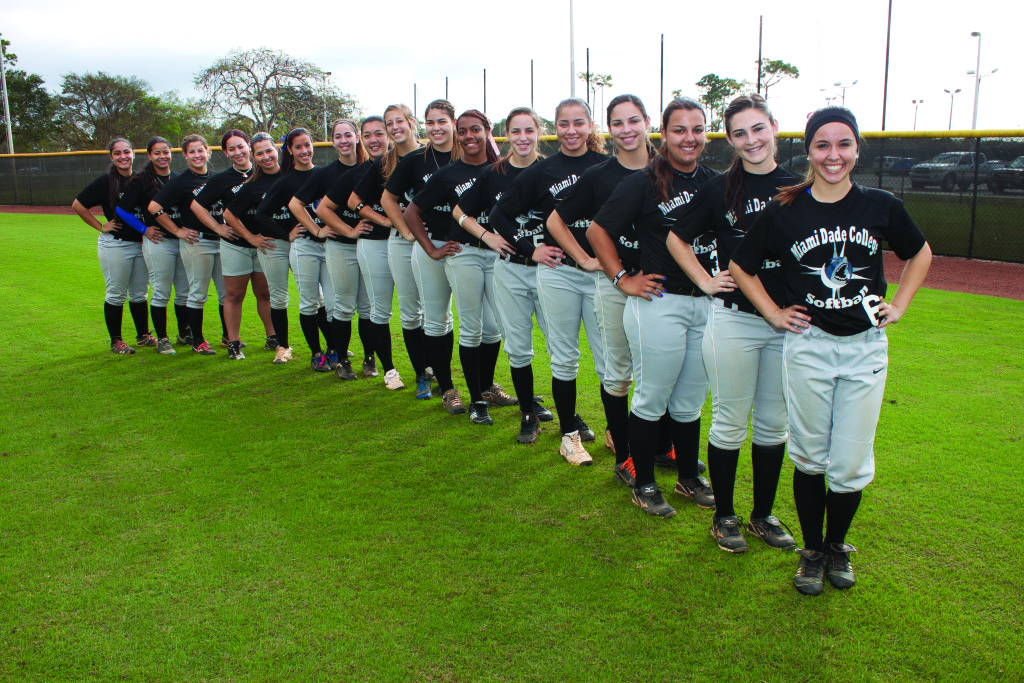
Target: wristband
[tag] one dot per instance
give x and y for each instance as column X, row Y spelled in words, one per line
column 618, row 276
column 359, row 207
column 158, row 213
column 462, row 219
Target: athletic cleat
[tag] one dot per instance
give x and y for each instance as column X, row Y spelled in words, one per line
column 571, row 448
column 452, row 402
column 769, row 530
column 608, row 443
column 186, row 339
column 282, row 355
column 319, row 363
column 529, row 428
column 119, row 347
column 225, row 342
column 542, row 413
column 164, row 347
column 808, row 575
column 332, row 358
column 625, row 473
column 478, row 413
column 666, row 459
column 726, row 532
column 271, row 344
column 698, row 490
column 146, row 340
column 837, row 565
column 649, row 499
column 370, row 368
column 586, row 433
column 344, row 370
column 392, row 381
column 497, row 396
column 430, row 374
column 701, row 467
column 204, row 349
column 350, row 354
column 235, row 351
column 423, row 386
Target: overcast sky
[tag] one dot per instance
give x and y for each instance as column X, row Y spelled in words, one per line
column 932, row 49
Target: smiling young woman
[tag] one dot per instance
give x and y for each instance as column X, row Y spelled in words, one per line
column 834, row 313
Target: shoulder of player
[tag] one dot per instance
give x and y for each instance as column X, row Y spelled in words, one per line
column 877, row 196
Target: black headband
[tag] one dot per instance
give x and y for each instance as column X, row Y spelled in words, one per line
column 829, row 115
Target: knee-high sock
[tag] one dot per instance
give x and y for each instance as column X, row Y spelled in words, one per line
column 365, row 331
column 311, row 332
column 181, row 316
column 382, row 345
column 439, row 358
column 722, row 465
column 159, row 315
column 522, row 380
column 616, row 412
column 643, row 441
column 415, row 346
column 840, row 509
column 809, row 496
column 195, row 323
column 766, row 462
column 112, row 317
column 469, row 356
column 279, row 319
column 223, row 322
column 341, row 335
column 563, row 391
column 665, row 435
column 140, row 316
column 325, row 326
column 488, row 362
column 686, row 439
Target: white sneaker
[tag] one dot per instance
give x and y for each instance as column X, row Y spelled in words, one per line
column 572, row 450
column 392, row 380
column 282, row 355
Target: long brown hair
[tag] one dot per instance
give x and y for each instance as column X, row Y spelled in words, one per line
column 638, row 103
column 492, row 147
column 114, row 177
column 360, row 150
column 505, row 162
column 659, row 170
column 257, row 170
column 735, row 191
column 595, row 141
column 447, row 108
column 387, row 167
column 287, row 160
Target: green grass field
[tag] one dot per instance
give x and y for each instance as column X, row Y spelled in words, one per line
column 189, row 518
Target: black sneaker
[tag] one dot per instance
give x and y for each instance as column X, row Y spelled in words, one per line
column 225, row 343
column 586, row 433
column 726, row 532
column 185, row 339
column 478, row 413
column 235, row 351
column 808, row 575
column 698, row 490
column 625, row 473
column 370, row 367
column 271, row 344
column 837, row 565
column 649, row 499
column 344, row 370
column 769, row 529
column 666, row 459
column 542, row 413
column 529, row 428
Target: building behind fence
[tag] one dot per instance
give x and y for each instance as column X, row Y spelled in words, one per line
column 958, row 216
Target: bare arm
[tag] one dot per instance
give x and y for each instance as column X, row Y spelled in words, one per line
column 492, row 239
column 394, row 212
column 414, row 223
column 190, row 236
column 327, row 211
column 682, row 252
column 367, row 211
column 200, row 212
column 89, row 219
column 560, row 231
column 298, row 210
column 635, row 285
column 258, row 241
column 913, row 277
column 790, row 318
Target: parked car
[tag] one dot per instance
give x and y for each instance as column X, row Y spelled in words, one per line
column 798, row 164
column 1009, row 177
column 950, row 170
column 903, row 165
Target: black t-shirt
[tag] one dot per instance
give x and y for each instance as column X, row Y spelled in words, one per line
column 176, row 199
column 709, row 212
column 441, row 194
column 584, row 199
column 97, row 193
column 343, row 189
column 217, row 192
column 831, row 254
column 135, row 200
column 634, row 208
column 316, row 187
column 370, row 187
column 414, row 170
column 244, row 203
column 274, row 215
column 520, row 214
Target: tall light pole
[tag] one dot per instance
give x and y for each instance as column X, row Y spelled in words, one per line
column 917, row 103
column 844, row 87
column 978, row 78
column 952, row 94
column 327, row 133
column 7, row 107
column 977, row 81
column 572, row 55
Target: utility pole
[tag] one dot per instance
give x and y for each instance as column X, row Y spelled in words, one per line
column 572, row 55
column 485, row 91
column 531, row 84
column 7, row 106
column 661, row 88
column 760, row 38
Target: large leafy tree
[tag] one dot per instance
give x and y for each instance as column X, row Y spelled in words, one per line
column 271, row 91
column 774, row 71
column 715, row 93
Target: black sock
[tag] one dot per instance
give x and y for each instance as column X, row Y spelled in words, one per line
column 767, row 466
column 440, row 360
column 469, row 356
column 112, row 316
column 643, row 439
column 664, row 435
column 563, row 393
column 809, row 496
column 450, row 341
column 341, row 335
column 522, row 381
column 195, row 323
column 223, row 322
column 311, row 332
column 415, row 346
column 382, row 346
column 616, row 412
column 840, row 507
column 488, row 362
column 365, row 331
column 159, row 315
column 325, row 327
column 140, row 316
column 181, row 317
column 279, row 319
column 686, row 439
column 722, row 469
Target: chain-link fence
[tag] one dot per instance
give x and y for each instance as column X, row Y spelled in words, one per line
column 969, row 204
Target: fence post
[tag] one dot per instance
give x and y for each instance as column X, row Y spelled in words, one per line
column 31, row 199
column 974, row 201
column 881, row 160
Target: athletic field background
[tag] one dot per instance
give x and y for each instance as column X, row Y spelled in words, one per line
column 190, row 518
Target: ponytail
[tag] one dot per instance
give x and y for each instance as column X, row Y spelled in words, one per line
column 735, row 190
column 147, row 182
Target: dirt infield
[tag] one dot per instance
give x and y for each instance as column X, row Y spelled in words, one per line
column 952, row 274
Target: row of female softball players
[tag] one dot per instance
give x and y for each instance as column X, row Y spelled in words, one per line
column 684, row 280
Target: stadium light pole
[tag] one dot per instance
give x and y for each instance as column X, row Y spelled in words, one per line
column 7, row 106
column 327, row 134
column 952, row 94
column 572, row 55
column 917, row 103
column 977, row 80
column 838, row 84
column 974, row 125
